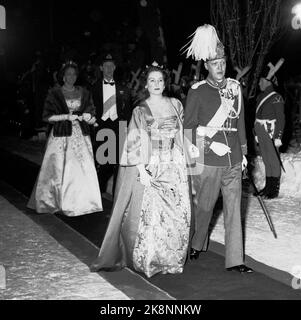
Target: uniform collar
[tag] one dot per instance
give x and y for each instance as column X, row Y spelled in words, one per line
column 265, row 93
column 216, row 84
column 268, row 90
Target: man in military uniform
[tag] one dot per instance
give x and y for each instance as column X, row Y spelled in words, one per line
column 214, row 113
column 268, row 127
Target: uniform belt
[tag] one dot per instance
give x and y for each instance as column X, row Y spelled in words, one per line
column 265, row 121
column 269, row 124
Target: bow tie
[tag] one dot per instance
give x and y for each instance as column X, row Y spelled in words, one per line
column 112, row 83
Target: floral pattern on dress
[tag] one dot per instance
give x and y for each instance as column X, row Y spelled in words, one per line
column 163, row 232
column 77, row 141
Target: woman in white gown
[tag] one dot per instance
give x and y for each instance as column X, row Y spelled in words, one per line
column 67, row 182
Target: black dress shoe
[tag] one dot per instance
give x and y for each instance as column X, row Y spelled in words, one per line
column 194, row 254
column 241, row 268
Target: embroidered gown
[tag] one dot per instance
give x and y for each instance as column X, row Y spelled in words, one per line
column 149, row 227
column 67, row 181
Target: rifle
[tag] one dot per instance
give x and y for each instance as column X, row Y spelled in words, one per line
column 262, row 204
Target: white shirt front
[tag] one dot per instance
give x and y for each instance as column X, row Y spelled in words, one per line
column 108, row 92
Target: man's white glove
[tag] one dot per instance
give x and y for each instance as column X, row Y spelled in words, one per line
column 220, row 148
column 201, row 131
column 277, row 143
column 205, row 131
column 244, row 163
column 256, row 139
column 194, row 151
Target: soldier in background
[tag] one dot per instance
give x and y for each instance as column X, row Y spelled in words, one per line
column 268, row 127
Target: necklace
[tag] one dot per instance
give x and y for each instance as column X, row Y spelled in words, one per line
column 69, row 90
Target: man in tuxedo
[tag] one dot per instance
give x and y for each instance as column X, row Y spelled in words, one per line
column 112, row 101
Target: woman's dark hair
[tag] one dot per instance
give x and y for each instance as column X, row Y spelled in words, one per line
column 67, row 65
column 143, row 93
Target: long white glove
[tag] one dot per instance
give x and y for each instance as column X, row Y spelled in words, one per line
column 62, row 117
column 72, row 117
column 220, row 148
column 145, row 178
column 277, row 143
column 92, row 121
column 244, row 163
column 256, row 139
column 87, row 117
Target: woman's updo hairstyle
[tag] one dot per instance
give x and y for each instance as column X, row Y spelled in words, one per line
column 143, row 92
column 153, row 67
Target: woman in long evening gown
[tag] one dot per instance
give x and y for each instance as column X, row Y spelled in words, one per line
column 149, row 227
column 67, row 182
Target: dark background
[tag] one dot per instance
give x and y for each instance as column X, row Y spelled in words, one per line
column 44, row 25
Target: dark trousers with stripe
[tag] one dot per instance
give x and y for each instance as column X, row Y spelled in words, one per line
column 206, row 188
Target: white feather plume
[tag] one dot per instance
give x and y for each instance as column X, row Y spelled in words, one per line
column 203, row 44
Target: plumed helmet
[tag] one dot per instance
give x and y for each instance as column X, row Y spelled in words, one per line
column 205, row 44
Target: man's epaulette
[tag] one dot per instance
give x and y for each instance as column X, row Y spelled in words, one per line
column 278, row 98
column 234, row 80
column 197, row 84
